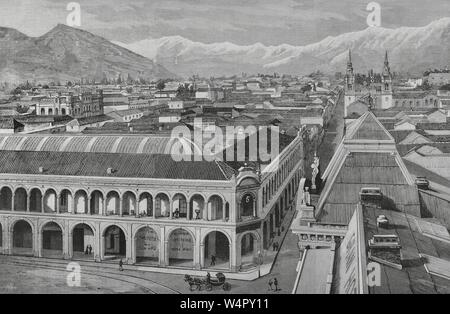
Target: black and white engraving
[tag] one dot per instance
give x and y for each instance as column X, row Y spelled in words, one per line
column 230, row 147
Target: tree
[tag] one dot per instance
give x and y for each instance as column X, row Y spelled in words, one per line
column 119, row 80
column 160, row 85
column 306, row 88
column 445, row 87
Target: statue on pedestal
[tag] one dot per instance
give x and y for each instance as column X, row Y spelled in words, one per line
column 315, row 166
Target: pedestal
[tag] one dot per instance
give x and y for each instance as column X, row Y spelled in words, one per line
column 307, row 213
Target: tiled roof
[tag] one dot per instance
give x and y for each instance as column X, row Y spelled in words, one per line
column 433, row 126
column 124, row 165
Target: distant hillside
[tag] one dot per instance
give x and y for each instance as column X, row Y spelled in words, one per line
column 411, row 49
column 67, row 53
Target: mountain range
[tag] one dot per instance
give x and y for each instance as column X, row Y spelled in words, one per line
column 411, row 49
column 68, row 54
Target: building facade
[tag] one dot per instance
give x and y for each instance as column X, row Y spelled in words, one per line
column 125, row 199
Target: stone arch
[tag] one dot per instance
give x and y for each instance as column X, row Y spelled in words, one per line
column 129, row 203
column 217, row 250
column 52, row 239
column 216, row 208
column 145, row 204
column 65, row 201
column 181, row 248
column 113, row 203
column 81, row 202
column 6, row 198
column 162, row 205
column 96, row 203
column 249, row 248
column 83, row 237
column 22, row 231
column 147, row 245
column 50, row 200
column 197, row 206
column 20, row 199
column 179, row 206
column 115, row 241
column 36, row 200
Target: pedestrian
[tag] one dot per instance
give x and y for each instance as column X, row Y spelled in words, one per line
column 275, row 282
column 120, row 265
column 86, row 252
column 274, row 246
column 213, row 260
column 208, row 277
column 90, row 249
column 270, row 284
column 278, row 245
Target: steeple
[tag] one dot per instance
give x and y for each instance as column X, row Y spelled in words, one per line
column 386, row 68
column 349, row 62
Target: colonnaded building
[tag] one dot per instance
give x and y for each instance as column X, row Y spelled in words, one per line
column 125, row 197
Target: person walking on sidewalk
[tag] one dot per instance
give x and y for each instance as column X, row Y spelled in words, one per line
column 270, row 284
column 120, row 265
column 275, row 282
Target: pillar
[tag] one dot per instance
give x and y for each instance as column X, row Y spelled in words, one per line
column 7, row 248
column 198, row 249
column 120, row 206
column 103, row 213
column 37, row 243
column 224, row 211
column 254, row 208
column 189, row 210
column 88, row 205
column 42, row 203
column 13, row 203
column 130, row 249
column 67, row 239
column 154, row 211
column 58, row 203
column 28, row 203
column 163, row 261
column 74, row 204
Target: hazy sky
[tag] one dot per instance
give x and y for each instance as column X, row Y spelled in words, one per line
column 296, row 22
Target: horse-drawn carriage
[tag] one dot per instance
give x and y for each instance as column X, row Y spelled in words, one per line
column 207, row 283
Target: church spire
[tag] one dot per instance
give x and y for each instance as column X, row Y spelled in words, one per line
column 349, row 62
column 386, row 68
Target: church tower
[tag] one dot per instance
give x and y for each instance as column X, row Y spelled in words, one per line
column 350, row 89
column 386, row 89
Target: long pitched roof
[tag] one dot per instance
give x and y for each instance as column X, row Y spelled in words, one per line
column 366, row 157
column 123, row 165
